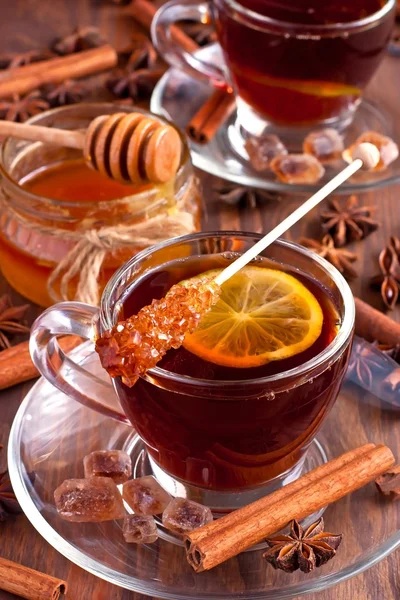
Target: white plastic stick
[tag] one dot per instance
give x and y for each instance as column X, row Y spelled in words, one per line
column 289, row 221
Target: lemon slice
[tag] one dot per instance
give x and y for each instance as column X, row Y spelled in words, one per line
column 262, row 315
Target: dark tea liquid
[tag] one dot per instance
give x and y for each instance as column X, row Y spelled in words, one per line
column 227, row 443
column 292, row 79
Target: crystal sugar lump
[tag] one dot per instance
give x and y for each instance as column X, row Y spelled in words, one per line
column 108, row 463
column 145, row 496
column 183, row 516
column 89, row 500
column 297, row 168
column 263, row 149
column 388, row 149
column 326, row 145
column 139, row 530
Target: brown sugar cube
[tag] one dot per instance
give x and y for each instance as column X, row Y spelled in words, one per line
column 263, row 149
column 89, row 500
column 388, row 149
column 145, row 496
column 298, row 168
column 326, row 145
column 139, row 530
column 108, row 463
column 182, row 516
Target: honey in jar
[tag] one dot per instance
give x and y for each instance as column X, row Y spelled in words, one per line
column 58, row 213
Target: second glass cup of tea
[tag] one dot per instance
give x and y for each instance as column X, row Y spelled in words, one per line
column 292, row 64
column 220, row 435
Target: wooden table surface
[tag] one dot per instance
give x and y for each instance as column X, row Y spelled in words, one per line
column 28, row 24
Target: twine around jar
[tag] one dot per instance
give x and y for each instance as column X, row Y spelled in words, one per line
column 91, row 247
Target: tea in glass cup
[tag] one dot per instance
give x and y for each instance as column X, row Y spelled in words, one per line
column 291, row 63
column 231, row 414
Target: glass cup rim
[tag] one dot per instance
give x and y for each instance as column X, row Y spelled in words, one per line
column 30, row 196
column 263, row 21
column 105, row 313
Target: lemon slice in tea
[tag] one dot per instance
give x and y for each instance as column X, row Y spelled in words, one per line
column 262, row 315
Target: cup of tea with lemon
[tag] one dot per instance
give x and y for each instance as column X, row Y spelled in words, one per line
column 230, row 415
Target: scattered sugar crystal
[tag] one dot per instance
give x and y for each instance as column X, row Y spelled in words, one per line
column 108, row 463
column 298, row 168
column 326, row 145
column 139, row 530
column 388, row 149
column 145, row 496
column 182, row 516
column 263, row 149
column 135, row 345
column 89, row 500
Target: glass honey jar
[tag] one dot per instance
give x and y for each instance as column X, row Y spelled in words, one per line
column 65, row 228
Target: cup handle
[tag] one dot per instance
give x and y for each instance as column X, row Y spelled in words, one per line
column 70, row 318
column 165, row 39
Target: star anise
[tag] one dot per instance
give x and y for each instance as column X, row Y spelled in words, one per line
column 10, row 317
column 8, row 502
column 20, row 109
column 68, row 92
column 134, row 83
column 83, row 38
column 232, row 193
column 366, row 365
column 12, row 61
column 141, row 53
column 338, row 257
column 201, row 33
column 389, row 279
column 302, row 549
column 348, row 222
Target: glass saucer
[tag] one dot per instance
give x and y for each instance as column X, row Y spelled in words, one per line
column 178, row 96
column 51, row 434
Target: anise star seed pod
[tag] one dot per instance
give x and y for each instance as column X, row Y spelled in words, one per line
column 134, row 84
column 389, row 279
column 302, row 549
column 12, row 61
column 83, row 38
column 338, row 257
column 21, row 109
column 392, row 351
column 231, row 193
column 8, row 502
column 365, row 365
column 10, row 317
column 348, row 222
column 68, row 92
column 143, row 55
column 201, row 33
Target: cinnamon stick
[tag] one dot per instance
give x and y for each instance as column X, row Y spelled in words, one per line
column 144, row 11
column 27, row 583
column 16, row 365
column 56, row 70
column 211, row 115
column 216, row 542
column 371, row 324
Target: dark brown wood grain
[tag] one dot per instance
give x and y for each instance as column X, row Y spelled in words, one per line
column 28, row 24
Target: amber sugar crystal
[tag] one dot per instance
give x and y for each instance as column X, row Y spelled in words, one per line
column 132, row 347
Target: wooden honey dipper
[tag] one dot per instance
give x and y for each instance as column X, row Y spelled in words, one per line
column 129, row 147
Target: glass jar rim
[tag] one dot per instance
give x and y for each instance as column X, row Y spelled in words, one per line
column 263, row 22
column 326, row 355
column 4, row 173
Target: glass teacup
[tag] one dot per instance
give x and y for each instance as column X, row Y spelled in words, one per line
column 290, row 66
column 221, row 441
